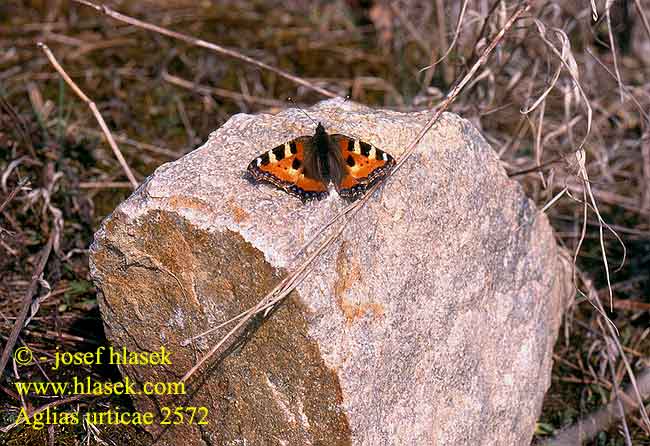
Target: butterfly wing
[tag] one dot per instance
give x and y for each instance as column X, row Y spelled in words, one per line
column 284, row 166
column 362, row 165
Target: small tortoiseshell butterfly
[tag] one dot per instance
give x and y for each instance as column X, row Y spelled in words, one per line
column 305, row 166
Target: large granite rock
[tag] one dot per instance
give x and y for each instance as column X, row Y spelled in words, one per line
column 430, row 321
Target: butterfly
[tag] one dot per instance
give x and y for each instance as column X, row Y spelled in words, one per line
column 305, row 166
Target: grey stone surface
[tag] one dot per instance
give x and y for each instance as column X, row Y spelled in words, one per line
column 431, row 321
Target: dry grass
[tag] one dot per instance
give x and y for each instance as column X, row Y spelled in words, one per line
column 563, row 100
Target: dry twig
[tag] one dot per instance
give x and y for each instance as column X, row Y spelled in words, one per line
column 27, row 302
column 95, row 110
column 202, row 43
column 220, row 92
column 13, row 194
column 588, row 427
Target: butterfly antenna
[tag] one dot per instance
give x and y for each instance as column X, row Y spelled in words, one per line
column 300, row 108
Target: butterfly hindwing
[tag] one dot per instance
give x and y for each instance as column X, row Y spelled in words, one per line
column 363, row 164
column 284, row 167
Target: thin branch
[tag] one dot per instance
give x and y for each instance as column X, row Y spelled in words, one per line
column 644, row 19
column 95, row 110
column 612, row 47
column 536, row 168
column 220, row 92
column 131, row 142
column 21, row 127
column 435, row 62
column 202, row 43
column 104, row 185
column 26, row 303
column 13, row 193
column 588, row 427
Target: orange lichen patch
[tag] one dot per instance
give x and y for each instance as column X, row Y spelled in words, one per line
column 353, row 311
column 349, row 273
column 189, row 203
column 238, row 214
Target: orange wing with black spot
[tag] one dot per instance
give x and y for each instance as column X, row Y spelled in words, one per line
column 364, row 164
column 284, row 167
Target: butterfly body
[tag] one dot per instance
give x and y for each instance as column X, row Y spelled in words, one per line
column 305, row 166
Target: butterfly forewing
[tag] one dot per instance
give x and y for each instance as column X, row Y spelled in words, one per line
column 284, row 167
